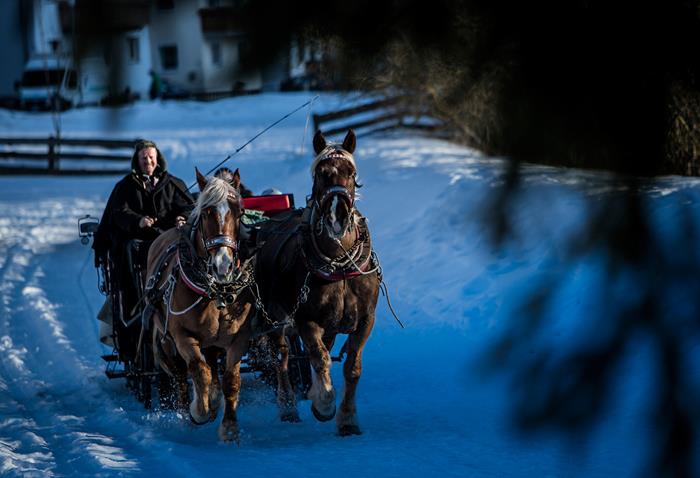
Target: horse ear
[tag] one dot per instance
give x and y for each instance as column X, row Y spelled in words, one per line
column 236, row 180
column 201, row 180
column 350, row 142
column 319, row 142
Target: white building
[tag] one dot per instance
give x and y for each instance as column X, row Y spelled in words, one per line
column 101, row 69
column 196, row 45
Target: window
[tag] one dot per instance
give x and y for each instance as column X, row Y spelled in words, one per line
column 168, row 57
column 300, row 51
column 132, row 45
column 244, row 51
column 165, row 4
column 216, row 53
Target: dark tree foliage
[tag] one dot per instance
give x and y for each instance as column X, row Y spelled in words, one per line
column 651, row 287
column 581, row 83
column 585, row 83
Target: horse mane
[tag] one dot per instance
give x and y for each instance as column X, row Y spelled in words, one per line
column 216, row 191
column 332, row 150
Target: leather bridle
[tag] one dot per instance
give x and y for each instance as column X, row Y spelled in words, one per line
column 215, row 242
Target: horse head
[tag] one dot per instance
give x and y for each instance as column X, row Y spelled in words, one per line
column 334, row 173
column 216, row 216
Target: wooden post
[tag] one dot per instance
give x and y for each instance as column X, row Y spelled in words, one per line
column 52, row 154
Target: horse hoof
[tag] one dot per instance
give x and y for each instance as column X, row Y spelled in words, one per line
column 196, row 418
column 347, row 430
column 229, row 435
column 321, row 417
column 290, row 417
column 215, row 402
column 195, row 422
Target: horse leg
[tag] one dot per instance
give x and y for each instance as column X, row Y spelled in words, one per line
column 177, row 368
column 286, row 400
column 322, row 393
column 328, row 342
column 215, row 395
column 200, row 372
column 228, row 430
column 167, row 358
column 346, row 421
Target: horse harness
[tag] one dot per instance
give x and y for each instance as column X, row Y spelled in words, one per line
column 192, row 270
column 358, row 259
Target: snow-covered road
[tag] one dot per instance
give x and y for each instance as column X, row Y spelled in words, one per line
column 423, row 405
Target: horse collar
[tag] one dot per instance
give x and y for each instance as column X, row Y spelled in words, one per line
column 191, row 284
column 355, row 263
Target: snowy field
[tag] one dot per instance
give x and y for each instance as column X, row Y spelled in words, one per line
column 425, row 407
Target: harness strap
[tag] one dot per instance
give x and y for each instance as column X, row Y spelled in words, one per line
column 188, row 282
column 220, row 240
column 337, row 191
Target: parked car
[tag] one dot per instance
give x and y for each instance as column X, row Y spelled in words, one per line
column 49, row 82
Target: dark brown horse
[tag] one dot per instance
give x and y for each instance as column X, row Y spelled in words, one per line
column 317, row 272
column 202, row 299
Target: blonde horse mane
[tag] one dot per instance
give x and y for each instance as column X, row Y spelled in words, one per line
column 216, row 192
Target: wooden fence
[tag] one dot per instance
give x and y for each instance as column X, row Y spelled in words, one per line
column 380, row 115
column 18, row 155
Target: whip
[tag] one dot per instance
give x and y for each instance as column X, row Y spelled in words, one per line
column 256, row 137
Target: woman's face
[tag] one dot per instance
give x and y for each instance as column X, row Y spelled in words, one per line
column 148, row 159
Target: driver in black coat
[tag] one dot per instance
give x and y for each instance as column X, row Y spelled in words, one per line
column 149, row 200
column 143, row 204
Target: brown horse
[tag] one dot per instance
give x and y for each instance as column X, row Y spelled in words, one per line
column 202, row 303
column 316, row 270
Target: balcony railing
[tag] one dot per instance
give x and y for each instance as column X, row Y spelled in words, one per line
column 104, row 16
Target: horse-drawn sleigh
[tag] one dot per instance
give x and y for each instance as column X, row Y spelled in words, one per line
column 223, row 295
